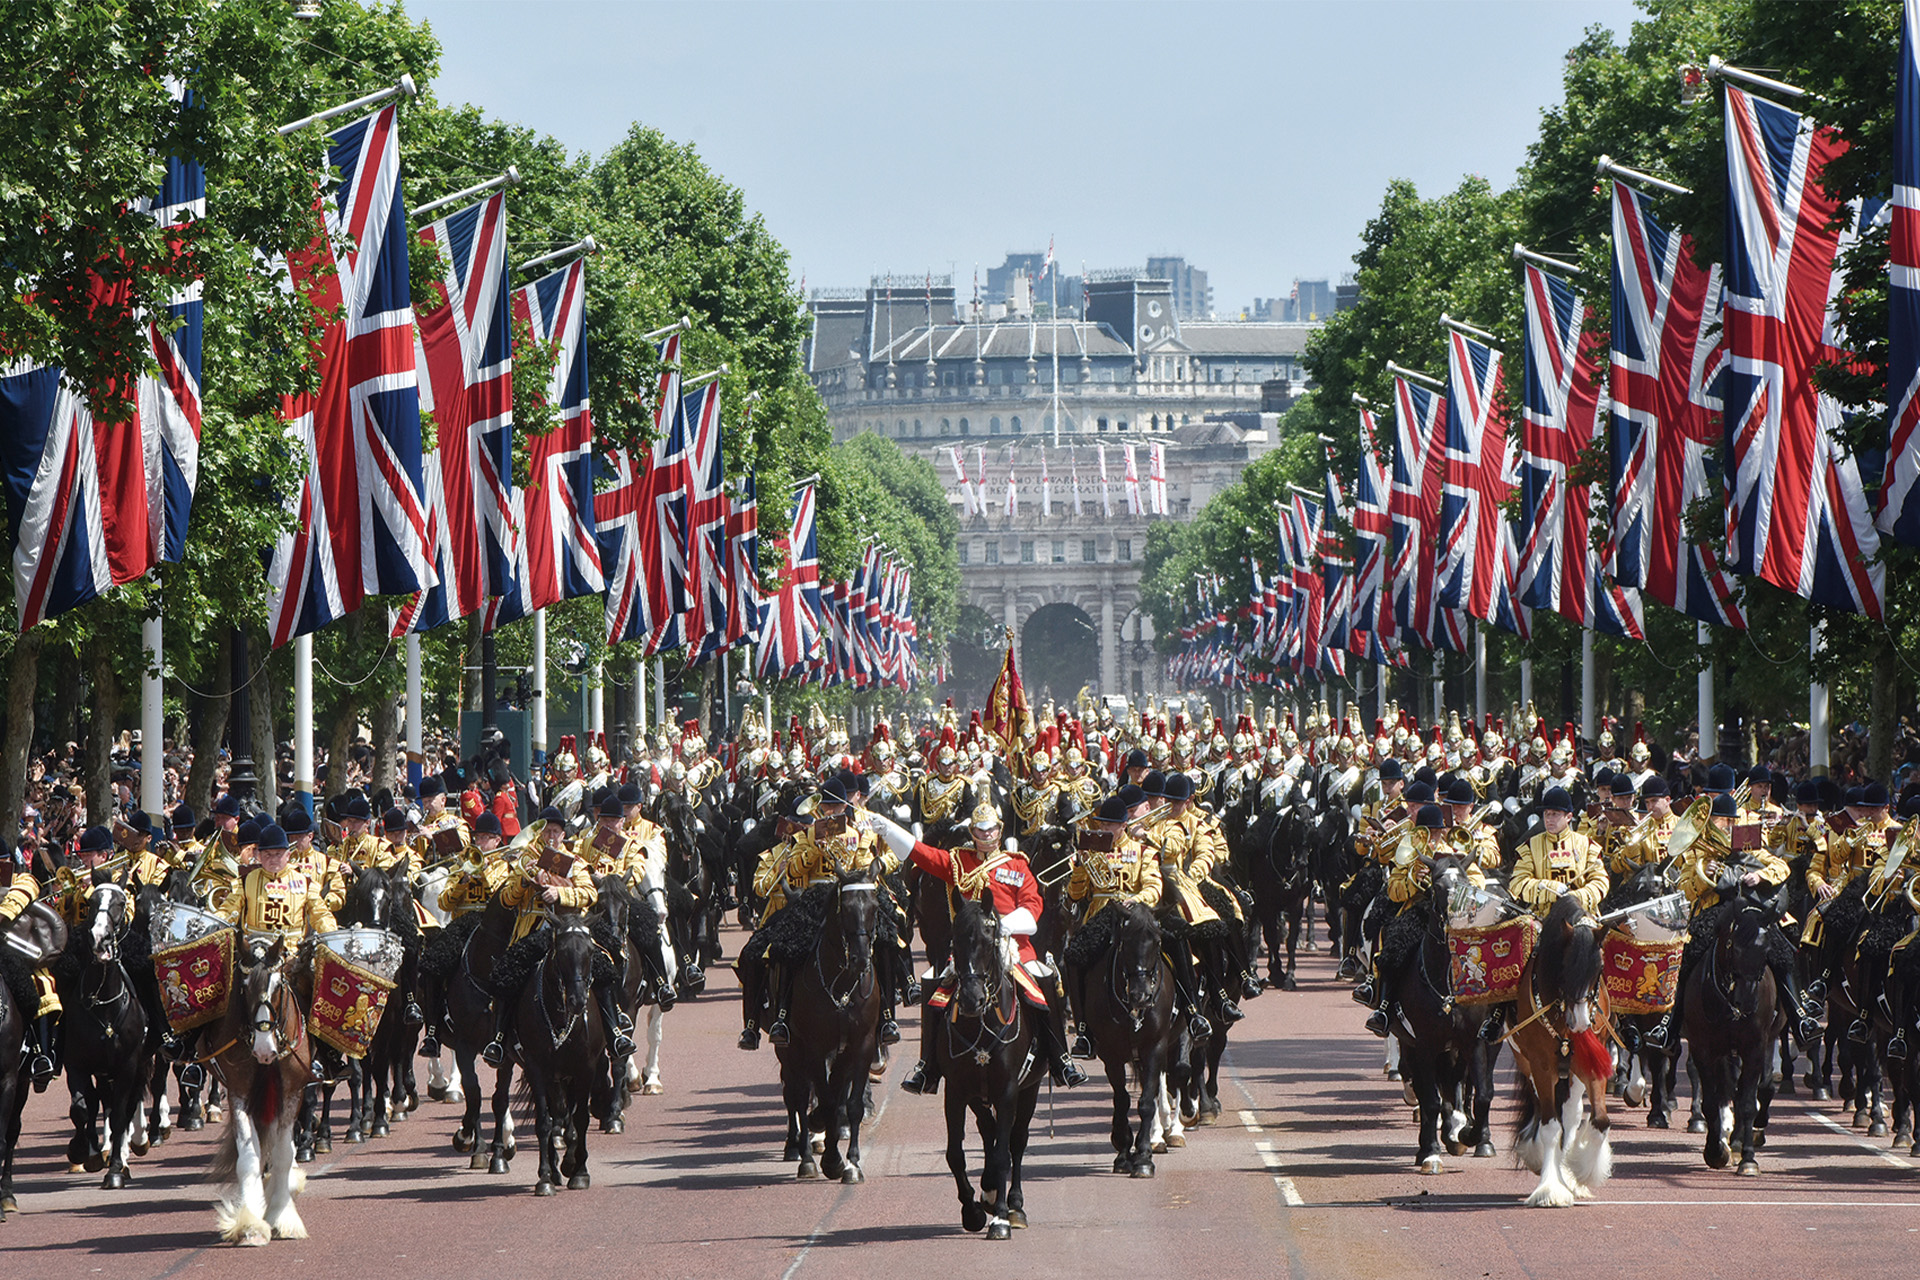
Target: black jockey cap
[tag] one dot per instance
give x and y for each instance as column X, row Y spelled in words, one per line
column 1724, row 807
column 393, row 820
column 1656, row 786
column 1910, row 807
column 854, row 784
column 1460, row 791
column 1179, row 787
column 273, row 836
column 1760, row 776
column 1556, row 799
column 1622, row 785
column 1602, row 778
column 1112, row 809
column 1807, row 792
column 141, row 821
column 1130, row 794
column 1154, row 785
column 1136, row 759
column 227, row 806
column 487, row 824
column 629, row 793
column 553, row 815
column 1780, row 783
column 431, row 786
column 184, row 819
column 295, row 821
column 1430, row 817
column 1419, row 793
column 1390, row 770
column 248, row 832
column 358, row 809
column 1426, row 774
column 609, row 807
column 96, row 840
column 1875, row 796
column 1720, row 778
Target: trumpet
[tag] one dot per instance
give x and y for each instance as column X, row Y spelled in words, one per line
column 66, row 879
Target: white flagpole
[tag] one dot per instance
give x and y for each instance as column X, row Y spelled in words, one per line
column 303, row 719
column 414, row 742
column 639, row 698
column 153, row 755
column 1586, row 683
column 1526, row 682
column 1819, row 728
column 1053, row 281
column 596, row 710
column 537, row 708
column 1479, row 670
column 659, row 690
column 1709, row 725
column 1439, row 687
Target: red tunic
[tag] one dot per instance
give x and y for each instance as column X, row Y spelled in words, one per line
column 1013, row 883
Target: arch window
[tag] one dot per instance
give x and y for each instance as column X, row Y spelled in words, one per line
column 1016, row 426
column 993, row 425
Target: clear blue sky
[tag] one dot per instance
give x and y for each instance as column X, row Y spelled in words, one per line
column 1255, row 138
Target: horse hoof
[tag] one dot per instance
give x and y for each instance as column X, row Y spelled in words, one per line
column 303, row 1155
column 1454, row 1148
column 808, row 1172
column 215, row 1114
column 140, row 1146
column 116, row 1180
column 614, row 1124
column 650, row 1088
column 1656, row 1120
column 1176, row 1140
column 437, row 1092
column 193, row 1124
column 819, row 1146
column 1288, row 984
column 8, row 1204
column 999, row 1230
column 580, row 1181
column 497, row 1164
column 74, row 1166
column 1878, row 1129
column 381, row 1129
column 1160, row 1147
column 1822, row 1095
column 1017, row 1219
column 95, row 1162
column 1413, row 1099
column 253, row 1237
column 1144, row 1169
column 1749, row 1169
column 1432, row 1165
column 543, row 1188
column 1860, row 1118
column 1121, row 1164
column 852, row 1177
column 1393, row 1073
column 1484, row 1150
column 792, row 1152
column 453, row 1095
column 323, row 1145
column 1696, row 1126
column 973, row 1215
column 1717, row 1157
column 464, row 1142
column 1759, row 1139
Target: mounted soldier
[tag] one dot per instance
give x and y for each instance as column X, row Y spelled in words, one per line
column 545, row 882
column 18, row 890
column 1110, row 865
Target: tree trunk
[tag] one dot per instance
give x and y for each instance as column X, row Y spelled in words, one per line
column 64, row 724
column 209, row 724
column 1880, row 726
column 105, row 723
column 386, row 735
column 23, row 682
column 266, row 761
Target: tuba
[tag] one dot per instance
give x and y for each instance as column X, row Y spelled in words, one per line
column 1897, row 854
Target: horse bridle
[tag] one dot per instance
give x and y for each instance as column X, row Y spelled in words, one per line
column 1113, row 984
column 998, row 1004
column 284, row 1042
column 111, row 958
column 1725, row 990
column 559, row 1034
column 862, row 980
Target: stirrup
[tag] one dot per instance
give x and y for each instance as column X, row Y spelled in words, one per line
column 663, row 997
column 1656, row 1036
column 495, row 1053
column 1897, row 1047
column 413, row 1017
column 1490, row 1029
column 1070, row 1073
column 620, row 1045
column 1817, row 991
column 1231, row 1012
column 1082, row 1044
column 1858, row 1033
column 777, row 1032
column 430, row 1044
column 193, row 1076
column 749, row 1039
column 1363, row 994
column 1377, row 1023
column 41, row 1068
column 1199, row 1026
column 889, row 1032
column 916, row 1081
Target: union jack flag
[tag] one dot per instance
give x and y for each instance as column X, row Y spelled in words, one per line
column 708, row 590
column 360, row 523
column 1419, row 463
column 1562, row 402
column 1667, row 367
column 1899, row 511
column 563, row 545
column 90, row 505
column 640, row 598
column 743, row 546
column 1477, row 559
column 1797, row 514
column 466, row 346
column 790, row 635
column 1372, row 531
column 1336, row 575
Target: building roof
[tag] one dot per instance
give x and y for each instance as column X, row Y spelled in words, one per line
column 1004, row 340
column 1227, row 339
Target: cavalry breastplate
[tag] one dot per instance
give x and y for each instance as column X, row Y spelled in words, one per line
column 938, row 798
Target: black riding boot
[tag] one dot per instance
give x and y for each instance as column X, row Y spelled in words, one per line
column 436, row 1011
column 619, row 1042
column 753, row 994
column 1805, row 1025
column 1664, row 1035
column 1367, row 992
column 896, row 980
column 1221, row 970
column 45, row 1064
column 924, row 1078
column 1896, row 997
column 1188, row 987
column 1077, row 984
column 1491, row 1027
column 495, row 1052
column 777, row 1029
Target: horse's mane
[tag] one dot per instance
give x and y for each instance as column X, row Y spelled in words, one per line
column 1569, row 951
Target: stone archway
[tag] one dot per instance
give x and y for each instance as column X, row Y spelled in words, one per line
column 1059, row 652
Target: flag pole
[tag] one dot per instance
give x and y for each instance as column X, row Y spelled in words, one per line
column 594, row 712
column 1586, row 683
column 537, row 703
column 303, row 720
column 1709, row 725
column 511, row 178
column 659, row 690
column 414, row 741
column 1526, row 682
column 1818, row 709
column 639, row 702
column 1439, row 686
column 402, row 87
column 1479, row 670
column 153, row 755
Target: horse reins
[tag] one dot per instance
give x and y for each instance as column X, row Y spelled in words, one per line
column 864, row 979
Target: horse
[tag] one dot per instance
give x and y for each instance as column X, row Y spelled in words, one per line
column 1281, row 871
column 1129, row 1015
column 834, row 1022
column 985, row 1050
column 1648, row 1073
column 1563, row 1091
column 467, row 1027
column 1447, row 1066
column 623, row 926
column 693, row 914
column 1733, row 1015
column 563, row 1053
column 104, row 1034
column 265, row 1059
column 389, row 1091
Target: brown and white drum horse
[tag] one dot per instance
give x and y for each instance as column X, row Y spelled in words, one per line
column 265, row 1060
column 1561, row 1015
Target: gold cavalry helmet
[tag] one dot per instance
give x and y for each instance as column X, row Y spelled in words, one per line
column 985, row 816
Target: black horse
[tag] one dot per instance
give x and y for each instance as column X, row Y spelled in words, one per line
column 17, row 1005
column 835, row 1025
column 469, row 1023
column 1128, row 1009
column 1733, row 1015
column 626, row 929
column 371, row 902
column 563, row 1053
column 104, row 1034
column 693, row 913
column 985, row 1049
column 1279, row 859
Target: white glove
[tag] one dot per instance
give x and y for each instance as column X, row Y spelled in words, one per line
column 896, row 837
column 1019, row 922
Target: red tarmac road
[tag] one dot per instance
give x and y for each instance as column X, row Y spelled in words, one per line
column 1309, row 1173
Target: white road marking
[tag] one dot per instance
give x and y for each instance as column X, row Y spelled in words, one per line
column 1848, row 1134
column 1271, row 1158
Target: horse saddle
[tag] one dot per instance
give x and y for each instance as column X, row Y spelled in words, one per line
column 38, row 936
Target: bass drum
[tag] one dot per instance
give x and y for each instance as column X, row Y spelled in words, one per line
column 354, row 971
column 193, row 962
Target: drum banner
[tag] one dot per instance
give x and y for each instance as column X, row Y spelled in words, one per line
column 1487, row 959
column 1641, row 976
column 347, row 1001
column 196, row 979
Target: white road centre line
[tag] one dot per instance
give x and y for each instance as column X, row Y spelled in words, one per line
column 1271, row 1158
column 1849, row 1135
